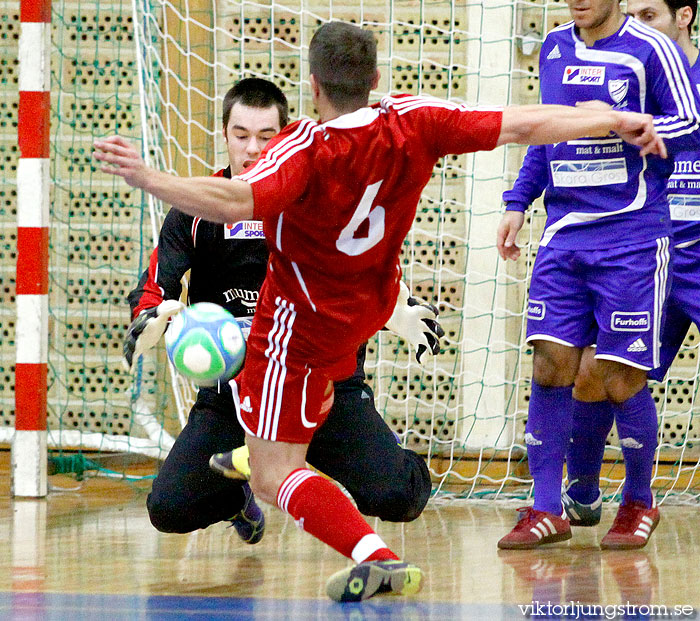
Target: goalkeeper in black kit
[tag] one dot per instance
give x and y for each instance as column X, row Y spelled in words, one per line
column 354, row 446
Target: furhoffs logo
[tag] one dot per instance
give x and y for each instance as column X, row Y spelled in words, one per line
column 630, row 322
column 536, row 309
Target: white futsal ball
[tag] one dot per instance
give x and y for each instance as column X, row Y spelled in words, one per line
column 205, row 344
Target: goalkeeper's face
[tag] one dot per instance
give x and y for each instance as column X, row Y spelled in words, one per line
column 247, row 132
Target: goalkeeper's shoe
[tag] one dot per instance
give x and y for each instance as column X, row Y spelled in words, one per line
column 535, row 528
column 249, row 522
column 233, row 465
column 581, row 514
column 370, row 578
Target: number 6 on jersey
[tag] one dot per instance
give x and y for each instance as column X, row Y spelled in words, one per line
column 353, row 246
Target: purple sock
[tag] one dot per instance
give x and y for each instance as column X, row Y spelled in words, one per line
column 637, row 427
column 547, row 436
column 592, row 422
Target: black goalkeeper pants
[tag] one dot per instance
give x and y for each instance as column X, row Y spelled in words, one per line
column 354, row 446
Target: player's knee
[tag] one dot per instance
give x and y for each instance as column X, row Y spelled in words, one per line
column 392, row 505
column 623, row 383
column 399, row 500
column 588, row 386
column 265, row 486
column 411, row 504
column 165, row 516
column 554, row 365
column 618, row 390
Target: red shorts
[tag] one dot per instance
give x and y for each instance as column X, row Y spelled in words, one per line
column 279, row 396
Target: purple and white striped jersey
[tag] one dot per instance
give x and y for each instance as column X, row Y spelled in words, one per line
column 599, row 192
column 684, row 188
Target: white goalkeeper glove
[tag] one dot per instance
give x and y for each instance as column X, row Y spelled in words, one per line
column 416, row 321
column 145, row 331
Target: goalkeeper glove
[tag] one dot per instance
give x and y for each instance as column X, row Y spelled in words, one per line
column 416, row 321
column 145, row 331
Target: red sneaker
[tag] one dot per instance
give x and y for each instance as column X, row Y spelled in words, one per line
column 632, row 527
column 535, row 528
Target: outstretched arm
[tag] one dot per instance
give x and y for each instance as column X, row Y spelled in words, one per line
column 212, row 198
column 546, row 124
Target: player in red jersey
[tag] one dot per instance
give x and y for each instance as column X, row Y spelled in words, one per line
column 354, row 446
column 337, row 199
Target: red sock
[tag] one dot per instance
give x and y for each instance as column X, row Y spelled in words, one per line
column 322, row 510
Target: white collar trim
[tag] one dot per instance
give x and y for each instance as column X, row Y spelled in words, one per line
column 358, row 118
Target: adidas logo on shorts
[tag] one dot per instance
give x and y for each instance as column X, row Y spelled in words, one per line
column 638, row 345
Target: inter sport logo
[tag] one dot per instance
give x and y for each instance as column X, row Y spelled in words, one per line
column 246, row 229
column 592, row 76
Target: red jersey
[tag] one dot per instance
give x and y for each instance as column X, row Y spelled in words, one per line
column 337, row 200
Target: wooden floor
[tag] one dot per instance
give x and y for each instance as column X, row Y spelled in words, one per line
column 93, row 554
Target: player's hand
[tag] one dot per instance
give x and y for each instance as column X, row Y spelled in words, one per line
column 121, row 158
column 416, row 321
column 145, row 331
column 507, row 231
column 638, row 129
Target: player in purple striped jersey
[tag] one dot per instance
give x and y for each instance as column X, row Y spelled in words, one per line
column 601, row 274
column 593, row 414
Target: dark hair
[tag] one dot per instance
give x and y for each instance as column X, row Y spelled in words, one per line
column 343, row 59
column 676, row 5
column 256, row 93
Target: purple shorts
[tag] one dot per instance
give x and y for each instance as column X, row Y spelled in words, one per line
column 612, row 298
column 682, row 307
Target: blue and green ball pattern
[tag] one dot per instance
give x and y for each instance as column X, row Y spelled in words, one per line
column 205, row 344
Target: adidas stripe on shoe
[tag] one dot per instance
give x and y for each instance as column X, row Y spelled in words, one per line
column 370, row 578
column 536, row 528
column 633, row 525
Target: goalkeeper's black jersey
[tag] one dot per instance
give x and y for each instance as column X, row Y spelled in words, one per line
column 227, row 263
